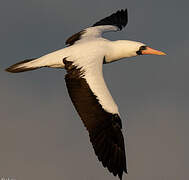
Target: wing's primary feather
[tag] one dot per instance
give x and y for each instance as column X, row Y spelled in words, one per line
column 119, row 19
column 104, row 128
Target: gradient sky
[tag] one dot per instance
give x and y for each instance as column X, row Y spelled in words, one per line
column 41, row 135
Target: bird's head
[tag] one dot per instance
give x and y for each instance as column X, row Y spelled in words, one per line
column 142, row 50
column 133, row 48
column 125, row 48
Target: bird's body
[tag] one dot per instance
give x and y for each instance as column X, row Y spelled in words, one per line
column 84, row 51
column 83, row 60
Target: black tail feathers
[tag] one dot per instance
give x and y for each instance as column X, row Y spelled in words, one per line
column 22, row 66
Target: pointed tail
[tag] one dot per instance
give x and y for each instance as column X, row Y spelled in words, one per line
column 26, row 65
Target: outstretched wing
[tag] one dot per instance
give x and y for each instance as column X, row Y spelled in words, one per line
column 114, row 22
column 104, row 127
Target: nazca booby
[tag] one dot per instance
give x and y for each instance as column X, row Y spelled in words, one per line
column 83, row 58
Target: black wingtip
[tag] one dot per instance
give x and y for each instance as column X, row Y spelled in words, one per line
column 119, row 19
column 108, row 143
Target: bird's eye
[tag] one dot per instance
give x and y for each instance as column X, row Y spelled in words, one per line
column 139, row 52
column 142, row 48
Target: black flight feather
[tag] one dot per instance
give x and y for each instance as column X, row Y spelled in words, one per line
column 119, row 19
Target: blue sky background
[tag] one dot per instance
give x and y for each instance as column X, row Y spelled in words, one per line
column 41, row 135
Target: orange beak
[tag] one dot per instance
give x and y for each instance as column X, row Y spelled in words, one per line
column 149, row 50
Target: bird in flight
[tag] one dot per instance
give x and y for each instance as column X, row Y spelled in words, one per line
column 83, row 59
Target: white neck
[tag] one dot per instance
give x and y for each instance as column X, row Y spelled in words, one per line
column 122, row 49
